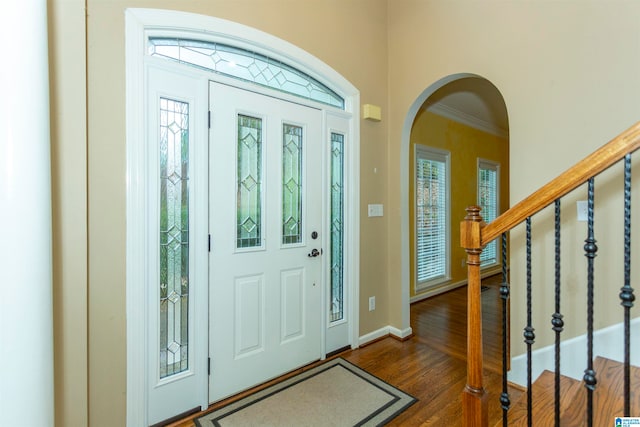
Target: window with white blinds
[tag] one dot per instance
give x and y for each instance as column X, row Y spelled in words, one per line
column 431, row 215
column 488, row 191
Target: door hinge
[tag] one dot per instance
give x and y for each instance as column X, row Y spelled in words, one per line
column 209, row 366
column 209, row 119
column 209, row 242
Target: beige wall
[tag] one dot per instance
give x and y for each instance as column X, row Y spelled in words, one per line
column 567, row 70
column 568, row 73
column 69, row 198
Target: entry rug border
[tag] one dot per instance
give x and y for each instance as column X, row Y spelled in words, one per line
column 381, row 416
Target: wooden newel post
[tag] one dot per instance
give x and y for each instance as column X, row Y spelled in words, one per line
column 474, row 397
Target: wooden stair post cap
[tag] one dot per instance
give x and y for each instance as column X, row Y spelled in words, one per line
column 470, row 228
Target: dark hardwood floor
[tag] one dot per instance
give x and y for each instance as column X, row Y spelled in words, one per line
column 431, row 365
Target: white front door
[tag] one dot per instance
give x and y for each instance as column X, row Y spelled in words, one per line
column 266, row 226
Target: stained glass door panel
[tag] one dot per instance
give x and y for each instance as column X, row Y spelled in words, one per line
column 336, row 227
column 292, row 150
column 174, row 237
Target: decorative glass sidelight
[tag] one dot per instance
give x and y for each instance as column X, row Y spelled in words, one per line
column 291, row 184
column 337, row 227
column 249, row 186
column 243, row 65
column 174, row 237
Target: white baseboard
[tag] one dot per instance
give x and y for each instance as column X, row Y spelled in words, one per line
column 400, row 333
column 437, row 290
column 607, row 342
column 383, row 332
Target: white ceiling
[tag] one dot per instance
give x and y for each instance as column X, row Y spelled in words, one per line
column 473, row 101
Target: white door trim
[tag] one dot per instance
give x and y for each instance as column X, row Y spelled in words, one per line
column 138, row 22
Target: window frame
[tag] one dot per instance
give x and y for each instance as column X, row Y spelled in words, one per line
column 443, row 156
column 485, row 164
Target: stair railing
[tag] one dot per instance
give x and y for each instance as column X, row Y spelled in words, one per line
column 475, row 235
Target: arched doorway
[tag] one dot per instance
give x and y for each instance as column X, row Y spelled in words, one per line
column 456, row 128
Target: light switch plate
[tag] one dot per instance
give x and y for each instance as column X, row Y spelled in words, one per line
column 375, row 210
column 582, row 210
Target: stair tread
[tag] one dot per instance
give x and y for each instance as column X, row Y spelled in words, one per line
column 543, row 400
column 608, row 400
column 610, row 390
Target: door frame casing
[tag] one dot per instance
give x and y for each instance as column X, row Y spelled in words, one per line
column 138, row 22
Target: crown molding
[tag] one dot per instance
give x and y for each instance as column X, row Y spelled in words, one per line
column 466, row 119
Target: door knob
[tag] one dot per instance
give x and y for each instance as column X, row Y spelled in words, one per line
column 314, row 253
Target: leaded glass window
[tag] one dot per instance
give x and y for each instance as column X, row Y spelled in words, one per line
column 244, row 65
column 249, row 182
column 291, row 184
column 174, row 237
column 337, row 227
column 488, row 201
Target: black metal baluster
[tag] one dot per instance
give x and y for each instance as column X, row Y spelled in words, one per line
column 529, row 335
column 590, row 249
column 556, row 320
column 626, row 292
column 504, row 294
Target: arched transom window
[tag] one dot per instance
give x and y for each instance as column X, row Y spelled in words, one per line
column 244, row 65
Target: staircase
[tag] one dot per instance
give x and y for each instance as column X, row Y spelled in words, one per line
column 608, row 398
column 609, row 389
